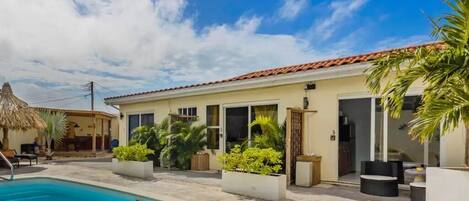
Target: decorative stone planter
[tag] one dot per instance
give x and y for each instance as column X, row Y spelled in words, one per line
column 269, row 187
column 133, row 168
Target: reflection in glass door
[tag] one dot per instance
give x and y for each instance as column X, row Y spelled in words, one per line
column 392, row 141
column 237, row 121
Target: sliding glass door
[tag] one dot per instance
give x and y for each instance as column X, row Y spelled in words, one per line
column 391, row 139
column 237, row 120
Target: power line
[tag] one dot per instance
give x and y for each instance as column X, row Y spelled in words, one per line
column 61, row 99
column 111, row 90
column 49, row 91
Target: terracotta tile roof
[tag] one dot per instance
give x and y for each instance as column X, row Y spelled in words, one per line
column 296, row 68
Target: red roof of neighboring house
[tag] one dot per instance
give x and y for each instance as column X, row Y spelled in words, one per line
column 296, row 68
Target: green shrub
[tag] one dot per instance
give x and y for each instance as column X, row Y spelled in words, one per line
column 271, row 135
column 252, row 160
column 184, row 140
column 136, row 152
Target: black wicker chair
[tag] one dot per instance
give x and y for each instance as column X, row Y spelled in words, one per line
column 400, row 171
column 417, row 191
column 379, row 178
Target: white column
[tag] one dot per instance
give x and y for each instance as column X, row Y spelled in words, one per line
column 372, row 129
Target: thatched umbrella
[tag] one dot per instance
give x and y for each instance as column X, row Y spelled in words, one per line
column 15, row 114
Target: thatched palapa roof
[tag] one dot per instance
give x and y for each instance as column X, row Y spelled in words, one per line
column 15, row 114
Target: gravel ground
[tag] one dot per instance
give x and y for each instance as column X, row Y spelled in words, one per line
column 184, row 185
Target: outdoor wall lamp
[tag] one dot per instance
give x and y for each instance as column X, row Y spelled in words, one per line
column 305, row 103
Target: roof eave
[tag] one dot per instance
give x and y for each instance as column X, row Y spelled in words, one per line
column 341, row 71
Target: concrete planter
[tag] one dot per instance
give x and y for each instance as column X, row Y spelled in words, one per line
column 133, row 168
column 447, row 184
column 269, row 187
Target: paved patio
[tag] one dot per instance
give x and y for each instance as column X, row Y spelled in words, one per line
column 185, row 185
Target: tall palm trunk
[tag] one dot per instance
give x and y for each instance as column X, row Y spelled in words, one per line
column 5, row 141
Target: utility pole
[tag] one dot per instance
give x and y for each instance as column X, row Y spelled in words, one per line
column 93, row 141
column 92, row 95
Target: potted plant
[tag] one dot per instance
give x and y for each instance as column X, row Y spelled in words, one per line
column 132, row 161
column 253, row 173
column 183, row 142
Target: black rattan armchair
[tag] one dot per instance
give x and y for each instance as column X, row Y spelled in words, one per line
column 379, row 178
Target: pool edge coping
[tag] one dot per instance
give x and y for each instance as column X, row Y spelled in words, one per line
column 98, row 184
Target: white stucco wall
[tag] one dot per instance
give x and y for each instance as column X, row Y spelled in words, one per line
column 318, row 126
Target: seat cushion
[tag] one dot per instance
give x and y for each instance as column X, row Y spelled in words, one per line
column 378, row 177
column 418, row 184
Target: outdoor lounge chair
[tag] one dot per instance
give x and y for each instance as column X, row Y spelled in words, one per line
column 379, row 178
column 10, row 155
column 29, row 157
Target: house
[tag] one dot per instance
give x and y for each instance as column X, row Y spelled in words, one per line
column 340, row 120
column 79, row 136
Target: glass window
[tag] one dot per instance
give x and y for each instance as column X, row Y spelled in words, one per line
column 148, row 119
column 262, row 110
column 188, row 111
column 134, row 122
column 213, row 115
column 213, row 126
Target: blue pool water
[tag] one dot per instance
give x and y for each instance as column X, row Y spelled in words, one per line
column 56, row 190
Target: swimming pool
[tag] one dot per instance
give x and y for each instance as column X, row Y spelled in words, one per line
column 45, row 189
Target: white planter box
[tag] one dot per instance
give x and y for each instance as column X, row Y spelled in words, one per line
column 133, row 168
column 447, row 184
column 269, row 187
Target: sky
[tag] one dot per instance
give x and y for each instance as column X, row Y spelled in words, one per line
column 51, row 49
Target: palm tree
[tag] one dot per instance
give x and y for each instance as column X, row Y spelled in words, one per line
column 56, row 127
column 151, row 136
column 443, row 68
column 184, row 140
column 272, row 134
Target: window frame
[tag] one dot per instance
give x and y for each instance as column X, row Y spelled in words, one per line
column 184, row 111
column 139, row 120
column 213, row 127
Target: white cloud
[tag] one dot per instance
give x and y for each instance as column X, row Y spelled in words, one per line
column 130, row 45
column 291, row 9
column 397, row 42
column 341, row 13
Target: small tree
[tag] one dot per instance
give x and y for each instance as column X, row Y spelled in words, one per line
column 56, row 127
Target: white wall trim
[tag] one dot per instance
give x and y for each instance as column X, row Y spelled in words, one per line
column 373, row 129
column 348, row 70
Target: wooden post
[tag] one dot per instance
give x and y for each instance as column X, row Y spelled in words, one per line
column 102, row 134
column 93, row 143
column 109, row 133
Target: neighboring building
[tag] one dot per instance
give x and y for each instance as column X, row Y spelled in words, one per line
column 348, row 126
column 79, row 136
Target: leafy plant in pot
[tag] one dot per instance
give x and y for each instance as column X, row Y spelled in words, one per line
column 133, row 161
column 151, row 137
column 252, row 172
column 184, row 140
